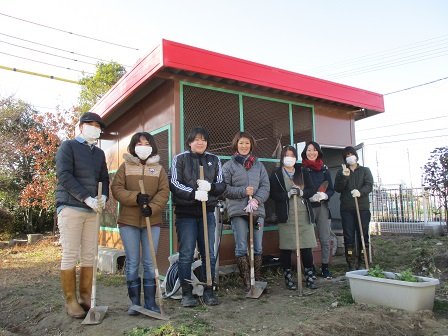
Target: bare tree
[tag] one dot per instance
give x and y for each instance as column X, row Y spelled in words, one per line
column 435, row 178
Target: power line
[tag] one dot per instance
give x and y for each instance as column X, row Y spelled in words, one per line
column 53, row 65
column 39, row 74
column 416, row 86
column 394, row 135
column 46, row 53
column 392, row 51
column 68, row 32
column 55, row 48
column 402, row 123
column 404, row 140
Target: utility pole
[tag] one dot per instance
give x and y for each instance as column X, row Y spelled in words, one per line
column 409, row 167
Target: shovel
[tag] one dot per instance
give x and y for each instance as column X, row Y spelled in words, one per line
column 140, row 309
column 256, row 287
column 361, row 233
column 299, row 264
column 95, row 315
column 208, row 268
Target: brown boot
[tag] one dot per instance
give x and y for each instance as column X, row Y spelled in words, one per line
column 258, row 262
column 243, row 267
column 85, row 287
column 72, row 307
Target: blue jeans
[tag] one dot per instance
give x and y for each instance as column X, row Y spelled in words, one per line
column 189, row 231
column 240, row 227
column 350, row 226
column 132, row 238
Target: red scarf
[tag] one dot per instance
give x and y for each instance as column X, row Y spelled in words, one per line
column 315, row 165
column 246, row 161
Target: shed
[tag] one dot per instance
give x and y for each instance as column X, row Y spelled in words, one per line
column 176, row 87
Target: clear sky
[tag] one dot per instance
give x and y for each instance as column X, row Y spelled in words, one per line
column 381, row 46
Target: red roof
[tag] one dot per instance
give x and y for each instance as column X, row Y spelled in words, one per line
column 183, row 57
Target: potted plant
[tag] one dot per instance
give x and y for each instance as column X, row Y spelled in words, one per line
column 395, row 290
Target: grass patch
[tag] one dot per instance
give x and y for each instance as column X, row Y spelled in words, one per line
column 112, row 280
column 197, row 327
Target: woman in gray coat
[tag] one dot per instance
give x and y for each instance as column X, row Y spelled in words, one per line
column 247, row 188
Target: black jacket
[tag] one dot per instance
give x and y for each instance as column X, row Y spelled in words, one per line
column 362, row 180
column 184, row 173
column 280, row 195
column 79, row 168
column 316, row 178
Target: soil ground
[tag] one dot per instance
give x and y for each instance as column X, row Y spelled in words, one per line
column 31, row 301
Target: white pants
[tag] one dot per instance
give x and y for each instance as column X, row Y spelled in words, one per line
column 79, row 237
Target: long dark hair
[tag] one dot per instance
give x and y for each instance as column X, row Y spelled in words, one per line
column 320, row 154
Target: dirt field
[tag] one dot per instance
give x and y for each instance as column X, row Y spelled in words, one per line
column 31, row 301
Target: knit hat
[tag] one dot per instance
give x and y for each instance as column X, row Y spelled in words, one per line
column 349, row 150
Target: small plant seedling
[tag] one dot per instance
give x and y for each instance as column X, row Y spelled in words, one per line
column 406, row 276
column 376, row 272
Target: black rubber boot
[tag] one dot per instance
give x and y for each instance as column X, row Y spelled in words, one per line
column 149, row 291
column 289, row 281
column 309, row 281
column 350, row 258
column 326, row 272
column 134, row 290
column 209, row 297
column 188, row 300
column 361, row 263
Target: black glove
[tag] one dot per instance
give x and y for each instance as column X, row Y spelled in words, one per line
column 146, row 211
column 143, row 199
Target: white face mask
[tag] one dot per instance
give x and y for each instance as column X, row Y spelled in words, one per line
column 90, row 133
column 289, row 161
column 143, row 152
column 351, row 160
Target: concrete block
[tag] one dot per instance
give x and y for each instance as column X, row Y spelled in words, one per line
column 433, row 229
column 34, row 237
column 19, row 242
column 109, row 259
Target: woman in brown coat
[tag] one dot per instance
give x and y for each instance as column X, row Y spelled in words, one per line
column 141, row 163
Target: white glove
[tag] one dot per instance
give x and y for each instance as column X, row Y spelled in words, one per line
column 252, row 205
column 201, row 196
column 204, row 185
column 355, row 193
column 315, row 198
column 322, row 196
column 103, row 201
column 295, row 191
column 345, row 170
column 94, row 204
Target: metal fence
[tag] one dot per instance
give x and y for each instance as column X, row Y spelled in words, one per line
column 400, row 209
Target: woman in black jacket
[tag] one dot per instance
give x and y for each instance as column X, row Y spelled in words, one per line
column 322, row 187
column 287, row 181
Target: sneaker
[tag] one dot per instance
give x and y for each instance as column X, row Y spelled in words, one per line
column 326, row 272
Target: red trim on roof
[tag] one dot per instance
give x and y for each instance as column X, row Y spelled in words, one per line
column 188, row 58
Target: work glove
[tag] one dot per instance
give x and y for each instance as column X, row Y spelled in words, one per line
column 143, row 199
column 94, row 203
column 315, row 198
column 345, row 170
column 146, row 211
column 355, row 193
column 204, row 185
column 322, row 196
column 104, row 200
column 252, row 205
column 201, row 196
column 295, row 191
